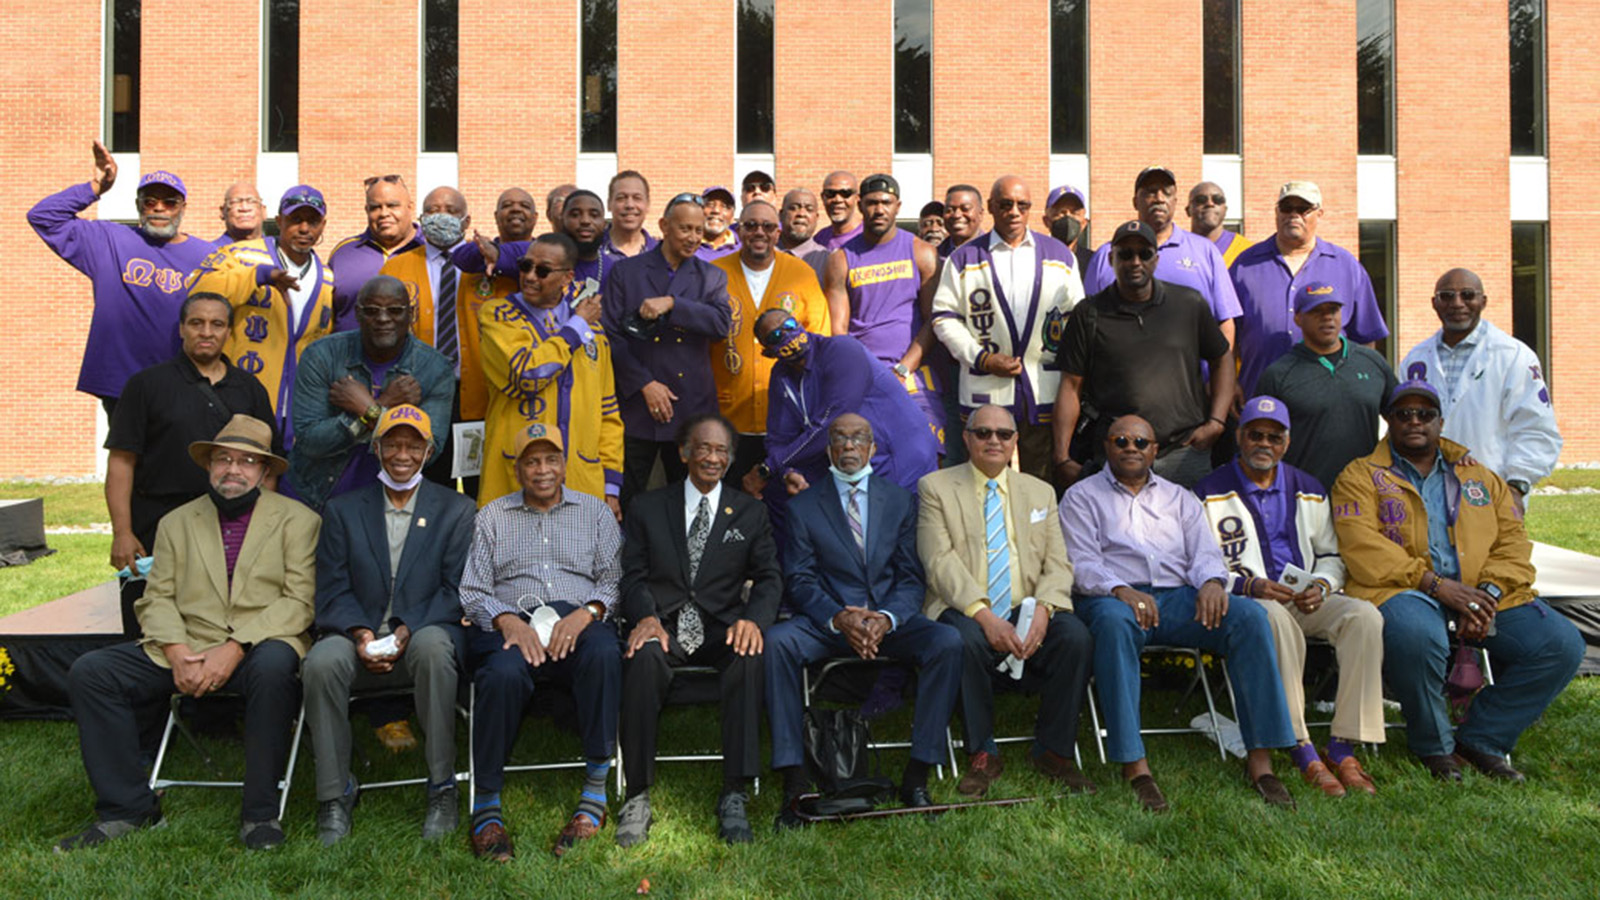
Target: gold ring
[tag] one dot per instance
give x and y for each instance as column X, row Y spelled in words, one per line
column 1141, row 604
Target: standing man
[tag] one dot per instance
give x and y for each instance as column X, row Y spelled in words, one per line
column 665, row 308
column 1493, row 396
column 798, row 216
column 1334, row 389
column 630, row 203
column 759, row 279
column 1267, row 516
column 357, row 258
column 555, row 201
column 879, row 286
column 852, row 571
column 1068, row 202
column 543, row 549
column 583, row 218
column 136, row 273
column 1148, row 572
column 1436, row 542
column 1207, row 209
column 691, row 549
column 546, row 360
column 347, row 381
column 757, row 185
column 389, row 565
column 1268, row 274
column 1137, row 345
column 930, row 223
column 1000, row 306
column 282, row 294
column 987, row 543
column 963, row 217
column 229, row 602
column 718, row 238
column 242, row 214
column 163, row 410
column 839, row 204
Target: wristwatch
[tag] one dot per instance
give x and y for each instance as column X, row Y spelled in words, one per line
column 370, row 417
column 901, row 370
column 1521, row 485
column 764, row 470
column 595, row 608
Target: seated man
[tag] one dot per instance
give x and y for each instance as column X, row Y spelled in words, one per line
column 1435, row 540
column 1266, row 515
column 389, row 565
column 852, row 571
column 545, row 547
column 1148, row 573
column 691, row 547
column 987, row 541
column 227, row 608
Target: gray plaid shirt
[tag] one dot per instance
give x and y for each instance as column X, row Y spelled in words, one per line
column 570, row 555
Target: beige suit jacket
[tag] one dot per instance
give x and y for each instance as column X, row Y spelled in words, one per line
column 188, row 599
column 953, row 546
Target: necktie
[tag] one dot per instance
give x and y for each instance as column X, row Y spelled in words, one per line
column 994, row 521
column 444, row 316
column 691, row 630
column 853, row 513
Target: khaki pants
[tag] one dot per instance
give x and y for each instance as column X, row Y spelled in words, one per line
column 1355, row 628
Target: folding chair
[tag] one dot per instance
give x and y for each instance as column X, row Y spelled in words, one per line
column 1201, row 680
column 1077, row 756
column 674, row 698
column 381, row 693
column 175, row 721
column 827, row 667
column 472, row 760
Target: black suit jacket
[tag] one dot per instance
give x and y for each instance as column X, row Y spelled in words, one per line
column 655, row 559
column 353, row 584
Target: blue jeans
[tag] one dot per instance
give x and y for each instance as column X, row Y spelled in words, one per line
column 1244, row 637
column 1534, row 652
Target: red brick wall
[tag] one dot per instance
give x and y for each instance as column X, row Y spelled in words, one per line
column 991, row 117
column 675, row 95
column 1146, row 100
column 50, row 103
column 1573, row 141
column 834, row 84
column 1299, row 113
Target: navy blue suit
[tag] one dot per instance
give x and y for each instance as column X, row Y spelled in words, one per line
column 825, row 572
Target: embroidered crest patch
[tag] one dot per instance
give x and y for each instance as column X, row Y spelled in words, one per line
column 1475, row 492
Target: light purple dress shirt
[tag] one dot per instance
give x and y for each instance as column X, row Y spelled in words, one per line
column 1157, row 537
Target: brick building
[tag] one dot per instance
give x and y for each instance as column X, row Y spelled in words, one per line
column 1441, row 133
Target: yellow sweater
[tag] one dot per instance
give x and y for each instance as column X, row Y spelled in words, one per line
column 472, row 292
column 741, row 372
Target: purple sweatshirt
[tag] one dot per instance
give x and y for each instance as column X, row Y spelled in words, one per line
column 138, row 286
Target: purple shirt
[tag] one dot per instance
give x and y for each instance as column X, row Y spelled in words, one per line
column 354, row 261
column 814, row 254
column 362, row 467
column 709, row 252
column 138, row 286
column 1187, row 259
column 882, row 281
column 1274, row 508
column 1158, row 537
column 233, row 532
column 608, row 249
column 1266, row 329
column 832, row 241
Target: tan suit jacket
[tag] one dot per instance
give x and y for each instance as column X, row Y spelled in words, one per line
column 953, row 545
column 189, row 601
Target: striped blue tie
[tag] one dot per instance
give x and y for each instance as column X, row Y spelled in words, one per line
column 994, row 523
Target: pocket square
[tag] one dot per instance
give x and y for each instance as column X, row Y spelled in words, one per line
column 1039, row 515
column 732, row 534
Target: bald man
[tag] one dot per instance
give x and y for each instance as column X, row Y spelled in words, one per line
column 798, row 218
column 1207, row 209
column 242, row 213
column 391, row 229
column 839, row 204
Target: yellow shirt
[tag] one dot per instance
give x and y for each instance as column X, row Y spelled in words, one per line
column 740, row 370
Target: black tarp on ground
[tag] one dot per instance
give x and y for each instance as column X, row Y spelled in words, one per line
column 1584, row 612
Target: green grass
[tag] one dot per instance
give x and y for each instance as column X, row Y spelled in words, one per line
column 80, row 561
column 64, row 504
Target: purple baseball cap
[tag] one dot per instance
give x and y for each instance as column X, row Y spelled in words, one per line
column 1067, row 190
column 717, row 189
column 1313, row 294
column 302, row 196
column 162, row 176
column 1416, row 387
column 1264, row 407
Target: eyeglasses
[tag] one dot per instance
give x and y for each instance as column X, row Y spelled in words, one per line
column 1264, row 437
column 771, row 338
column 387, row 179
column 768, row 227
column 759, row 186
column 241, row 202
column 1421, row 414
column 1213, row 199
column 1145, row 254
column 310, row 200
column 384, row 312
column 1139, row 443
column 539, row 270
column 850, row 440
column 1005, row 204
column 1296, row 209
column 1469, row 295
column 983, row 434
column 226, row 461
column 707, row 451
column 831, row 193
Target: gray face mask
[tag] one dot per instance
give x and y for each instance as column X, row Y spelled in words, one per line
column 442, row 230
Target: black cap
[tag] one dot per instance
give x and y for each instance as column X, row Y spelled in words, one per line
column 1134, row 228
column 931, row 208
column 873, row 184
column 1149, row 172
column 756, row 176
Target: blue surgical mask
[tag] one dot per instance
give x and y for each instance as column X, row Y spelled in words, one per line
column 859, row 476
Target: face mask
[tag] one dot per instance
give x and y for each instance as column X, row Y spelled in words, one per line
column 234, row 507
column 791, row 348
column 442, row 230
column 857, row 478
column 401, row 486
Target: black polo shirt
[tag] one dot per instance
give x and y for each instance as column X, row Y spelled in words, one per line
column 1143, row 358
column 163, row 410
column 1334, row 401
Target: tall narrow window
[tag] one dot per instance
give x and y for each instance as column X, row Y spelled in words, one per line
column 913, row 76
column 1527, row 78
column 1220, row 34
column 1375, row 77
column 1530, row 288
column 280, row 128
column 441, row 38
column 1069, row 76
column 122, row 123
column 597, row 101
column 1377, row 257
column 755, row 74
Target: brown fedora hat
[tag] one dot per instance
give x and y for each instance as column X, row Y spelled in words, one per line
column 245, row 433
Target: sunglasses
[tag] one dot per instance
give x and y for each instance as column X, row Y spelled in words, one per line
column 1213, row 199
column 1264, row 437
column 151, row 201
column 1296, row 209
column 830, row 193
column 771, row 338
column 1005, row 204
column 686, row 197
column 759, row 186
column 1469, row 295
column 768, row 227
column 984, row 434
column 310, row 200
column 539, row 270
column 1145, row 254
column 1421, row 414
column 384, row 312
column 1139, row 443
column 387, row 179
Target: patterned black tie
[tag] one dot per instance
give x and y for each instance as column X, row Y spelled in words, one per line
column 691, row 630
column 444, row 316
